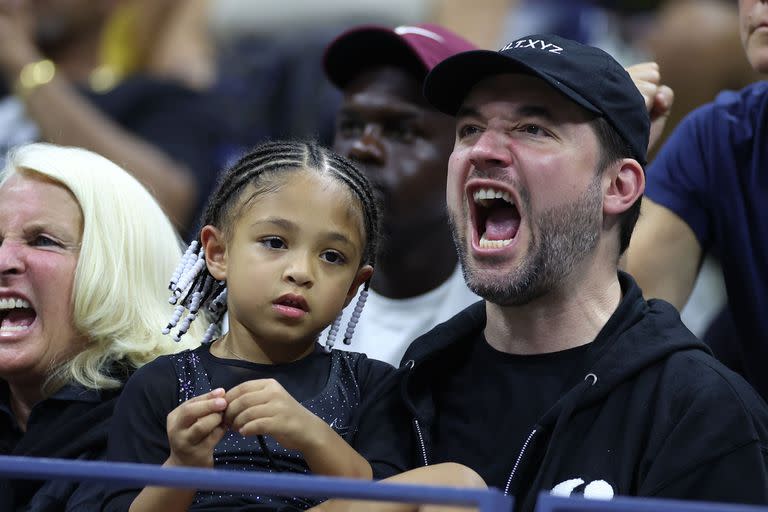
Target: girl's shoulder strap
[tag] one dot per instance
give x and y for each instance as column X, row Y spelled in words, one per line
column 346, row 359
column 191, row 376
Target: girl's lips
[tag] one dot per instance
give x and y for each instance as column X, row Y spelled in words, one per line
column 291, row 305
column 289, row 311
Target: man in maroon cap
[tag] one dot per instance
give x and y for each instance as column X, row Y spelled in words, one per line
column 403, row 145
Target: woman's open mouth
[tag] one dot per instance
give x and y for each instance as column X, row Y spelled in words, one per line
column 16, row 315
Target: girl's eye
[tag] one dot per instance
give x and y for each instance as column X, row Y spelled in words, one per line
column 333, row 257
column 272, row 242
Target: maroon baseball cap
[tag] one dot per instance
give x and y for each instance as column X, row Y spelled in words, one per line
column 416, row 48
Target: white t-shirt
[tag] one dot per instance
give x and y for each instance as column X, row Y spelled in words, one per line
column 388, row 326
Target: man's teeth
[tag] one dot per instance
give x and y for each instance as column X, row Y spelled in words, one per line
column 493, row 244
column 9, row 303
column 490, row 194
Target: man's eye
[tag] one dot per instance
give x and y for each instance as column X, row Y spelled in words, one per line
column 350, row 127
column 467, row 130
column 533, row 129
column 272, row 242
column 402, row 132
column 333, row 257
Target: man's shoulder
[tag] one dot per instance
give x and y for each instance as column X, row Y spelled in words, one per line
column 697, row 382
column 458, row 329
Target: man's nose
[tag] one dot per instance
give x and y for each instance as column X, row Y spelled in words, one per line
column 490, row 151
column 369, row 147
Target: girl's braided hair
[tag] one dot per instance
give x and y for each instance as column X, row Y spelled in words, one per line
column 192, row 286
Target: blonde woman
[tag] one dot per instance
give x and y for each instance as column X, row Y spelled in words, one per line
column 85, row 251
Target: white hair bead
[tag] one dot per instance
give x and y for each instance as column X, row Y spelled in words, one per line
column 332, row 333
column 355, row 318
column 183, row 263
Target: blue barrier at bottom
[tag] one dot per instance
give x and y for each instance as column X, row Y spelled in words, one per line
column 490, row 500
column 548, row 503
column 140, row 475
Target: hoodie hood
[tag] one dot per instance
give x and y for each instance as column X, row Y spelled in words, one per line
column 632, row 418
column 638, row 335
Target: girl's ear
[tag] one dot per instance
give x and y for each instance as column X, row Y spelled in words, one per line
column 363, row 275
column 626, row 185
column 215, row 252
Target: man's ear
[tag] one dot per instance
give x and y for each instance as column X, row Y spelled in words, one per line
column 215, row 252
column 625, row 186
column 364, row 274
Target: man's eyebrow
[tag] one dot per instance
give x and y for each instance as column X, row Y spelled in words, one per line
column 465, row 111
column 522, row 111
column 535, row 111
column 390, row 111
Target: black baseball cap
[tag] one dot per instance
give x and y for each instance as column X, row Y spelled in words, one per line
column 586, row 75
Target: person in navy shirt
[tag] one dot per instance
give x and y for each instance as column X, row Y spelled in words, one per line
column 705, row 194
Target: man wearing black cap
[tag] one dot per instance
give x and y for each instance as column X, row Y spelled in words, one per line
column 565, row 379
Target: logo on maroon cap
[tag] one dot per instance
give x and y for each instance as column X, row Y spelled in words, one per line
column 409, row 29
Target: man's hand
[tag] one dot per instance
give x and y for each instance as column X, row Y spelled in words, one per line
column 658, row 98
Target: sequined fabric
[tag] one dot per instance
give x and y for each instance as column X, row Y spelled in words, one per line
column 336, row 405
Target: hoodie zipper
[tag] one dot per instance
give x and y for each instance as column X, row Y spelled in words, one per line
column 517, row 462
column 421, row 441
column 565, row 412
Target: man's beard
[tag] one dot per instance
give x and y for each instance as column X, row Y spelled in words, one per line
column 560, row 239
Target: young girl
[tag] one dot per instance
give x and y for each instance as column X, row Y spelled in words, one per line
column 289, row 236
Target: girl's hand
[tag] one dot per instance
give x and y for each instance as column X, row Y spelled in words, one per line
column 263, row 406
column 194, row 428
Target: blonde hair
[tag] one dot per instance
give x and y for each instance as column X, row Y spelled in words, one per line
column 128, row 250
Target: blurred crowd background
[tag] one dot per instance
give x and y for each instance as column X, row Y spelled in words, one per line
column 258, row 64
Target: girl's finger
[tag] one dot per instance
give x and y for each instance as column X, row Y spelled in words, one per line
column 246, row 387
column 190, row 411
column 259, row 426
column 236, row 419
column 202, row 428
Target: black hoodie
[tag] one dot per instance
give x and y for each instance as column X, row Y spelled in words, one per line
column 652, row 414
